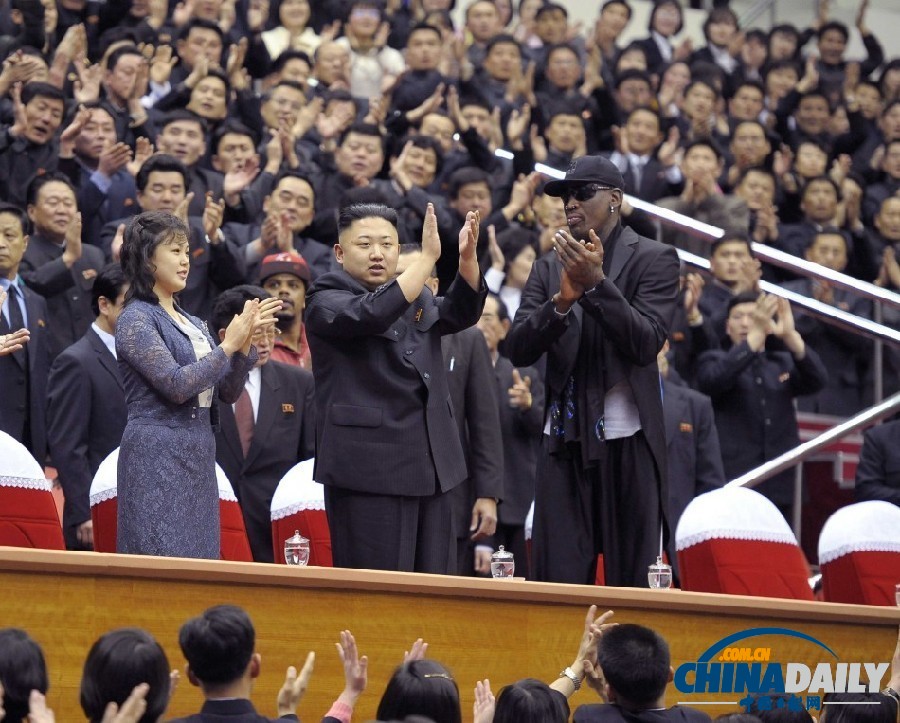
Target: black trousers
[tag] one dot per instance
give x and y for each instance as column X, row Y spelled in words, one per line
column 388, row 532
column 613, row 508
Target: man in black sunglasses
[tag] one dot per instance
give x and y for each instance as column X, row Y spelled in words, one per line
column 600, row 308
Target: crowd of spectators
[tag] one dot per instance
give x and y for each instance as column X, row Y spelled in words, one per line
column 254, row 122
column 627, row 667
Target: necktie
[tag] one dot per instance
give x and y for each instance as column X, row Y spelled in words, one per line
column 16, row 320
column 243, row 417
column 637, row 168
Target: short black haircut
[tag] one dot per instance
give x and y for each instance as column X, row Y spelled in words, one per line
column 549, row 7
column 635, row 661
column 291, row 173
column 180, row 114
column 756, row 169
column 834, row 25
column 880, row 708
column 778, row 712
column 218, row 644
column 231, row 302
column 424, row 26
column 22, row 669
column 633, row 74
column 623, row 3
column 112, row 60
column 38, row 182
column 13, row 210
column 232, row 127
column 120, row 660
column 820, row 179
column 220, row 74
column 750, row 83
column 705, row 143
column 358, row 211
column 502, row 308
column 745, row 297
column 38, row 89
column 501, row 39
column 160, row 163
column 463, row 177
column 731, row 237
column 288, row 55
column 108, row 283
column 428, row 143
column 828, row 231
column 421, row 687
column 702, row 81
column 362, row 129
column 201, row 24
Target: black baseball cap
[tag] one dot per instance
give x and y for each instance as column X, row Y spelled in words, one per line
column 587, row 169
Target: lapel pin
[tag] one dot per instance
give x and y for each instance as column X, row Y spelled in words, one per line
column 287, row 408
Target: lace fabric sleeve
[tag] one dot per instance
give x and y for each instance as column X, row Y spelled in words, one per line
column 140, row 344
column 232, row 383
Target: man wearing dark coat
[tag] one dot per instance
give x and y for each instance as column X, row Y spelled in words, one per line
column 600, row 308
column 388, row 447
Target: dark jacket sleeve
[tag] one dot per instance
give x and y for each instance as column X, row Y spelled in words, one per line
column 485, row 443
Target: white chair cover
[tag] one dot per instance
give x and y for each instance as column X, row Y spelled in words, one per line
column 872, row 526
column 732, row 513
column 297, row 491
column 18, row 468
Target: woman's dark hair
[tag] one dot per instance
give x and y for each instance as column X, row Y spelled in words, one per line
column 656, row 8
column 514, row 242
column 719, row 15
column 143, row 234
column 22, row 669
column 421, row 687
column 359, row 211
column 120, row 660
column 530, row 701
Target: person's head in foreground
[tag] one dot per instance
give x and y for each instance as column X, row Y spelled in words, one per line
column 421, row 687
column 22, row 669
column 119, row 661
column 368, row 244
column 635, row 661
column 530, row 701
column 218, row 645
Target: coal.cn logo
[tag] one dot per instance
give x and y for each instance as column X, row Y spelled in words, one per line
column 757, row 678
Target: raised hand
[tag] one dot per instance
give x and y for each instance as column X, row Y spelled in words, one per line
column 416, row 652
column 38, row 712
column 213, row 213
column 20, row 122
column 498, row 260
column 468, row 236
column 861, row 17
column 143, row 149
column 583, row 262
column 198, row 72
column 71, row 132
column 73, row 241
column 240, row 176
column 118, row 240
column 670, row 153
column 355, row 667
column 183, row 12
column 161, row 64
column 693, row 290
column 483, row 710
column 181, row 210
column 520, row 392
column 398, row 168
column 87, row 87
column 234, row 66
column 431, row 239
column 114, row 158
column 132, row 709
column 518, row 124
column 429, row 105
column 295, row 684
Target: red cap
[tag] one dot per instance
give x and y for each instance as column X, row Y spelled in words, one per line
column 284, row 263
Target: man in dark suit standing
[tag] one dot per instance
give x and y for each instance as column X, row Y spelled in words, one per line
column 23, row 373
column 269, row 429
column 86, row 409
column 521, row 395
column 56, row 264
column 388, row 445
column 469, row 378
column 692, row 446
column 600, row 308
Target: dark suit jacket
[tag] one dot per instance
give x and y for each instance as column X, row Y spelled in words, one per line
column 521, row 432
column 86, row 415
column 476, row 408
column 384, row 420
column 70, row 307
column 632, row 308
column 318, row 256
column 23, row 393
column 878, row 471
column 285, row 434
column 692, row 444
column 234, row 711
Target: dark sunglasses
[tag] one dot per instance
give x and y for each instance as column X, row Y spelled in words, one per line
column 583, row 193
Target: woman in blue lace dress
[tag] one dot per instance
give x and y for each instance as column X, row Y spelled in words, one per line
column 174, row 375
